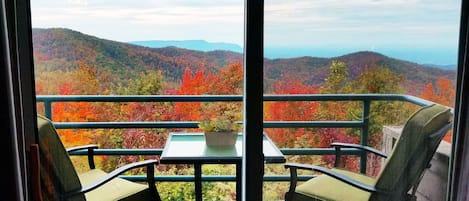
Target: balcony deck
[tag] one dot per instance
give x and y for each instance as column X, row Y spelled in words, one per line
column 363, row 125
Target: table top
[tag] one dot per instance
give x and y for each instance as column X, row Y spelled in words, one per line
column 191, row 148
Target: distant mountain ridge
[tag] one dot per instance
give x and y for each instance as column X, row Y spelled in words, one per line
column 200, row 45
column 64, row 49
column 447, row 67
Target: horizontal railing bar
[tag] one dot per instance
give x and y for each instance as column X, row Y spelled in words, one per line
column 159, row 124
column 334, row 97
column 313, row 124
column 194, row 124
column 120, row 152
column 211, row 178
column 139, row 98
column 318, row 151
column 154, row 152
column 216, row 98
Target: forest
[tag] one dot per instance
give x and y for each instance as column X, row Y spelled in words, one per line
column 185, row 72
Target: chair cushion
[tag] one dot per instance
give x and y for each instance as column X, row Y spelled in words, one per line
column 116, row 189
column 57, row 172
column 324, row 187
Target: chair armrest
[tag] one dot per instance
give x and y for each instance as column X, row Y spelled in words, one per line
column 339, row 145
column 148, row 163
column 335, row 175
column 90, row 146
column 361, row 147
column 90, row 149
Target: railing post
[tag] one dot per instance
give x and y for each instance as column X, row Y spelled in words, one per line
column 48, row 109
column 364, row 134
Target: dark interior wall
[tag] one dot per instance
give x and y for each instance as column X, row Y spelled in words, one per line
column 17, row 97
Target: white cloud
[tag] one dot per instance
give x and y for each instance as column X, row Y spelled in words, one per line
column 78, row 2
column 124, row 21
column 300, row 22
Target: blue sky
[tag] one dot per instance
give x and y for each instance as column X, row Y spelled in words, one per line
column 424, row 31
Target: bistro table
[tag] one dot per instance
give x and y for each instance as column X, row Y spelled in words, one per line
column 190, row 148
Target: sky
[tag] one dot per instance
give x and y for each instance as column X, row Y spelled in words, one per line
column 423, row 31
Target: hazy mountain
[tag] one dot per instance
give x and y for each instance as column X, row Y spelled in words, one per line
column 199, row 45
column 64, row 49
column 447, row 67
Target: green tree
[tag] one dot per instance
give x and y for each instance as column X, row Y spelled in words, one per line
column 147, row 83
column 376, row 80
column 337, row 78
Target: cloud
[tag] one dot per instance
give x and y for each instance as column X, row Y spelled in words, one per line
column 357, row 22
column 300, row 22
column 78, row 2
column 125, row 21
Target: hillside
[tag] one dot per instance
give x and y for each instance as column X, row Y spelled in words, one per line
column 63, row 49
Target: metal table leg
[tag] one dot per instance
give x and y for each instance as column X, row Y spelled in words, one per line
column 239, row 173
column 198, row 181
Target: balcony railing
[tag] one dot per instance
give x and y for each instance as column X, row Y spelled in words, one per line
column 363, row 124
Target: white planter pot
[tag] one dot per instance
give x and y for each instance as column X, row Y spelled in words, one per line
column 220, row 138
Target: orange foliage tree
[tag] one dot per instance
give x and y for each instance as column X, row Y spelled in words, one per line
column 73, row 112
column 195, row 84
column 443, row 93
column 290, row 111
column 229, row 81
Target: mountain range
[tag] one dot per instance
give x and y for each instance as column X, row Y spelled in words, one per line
column 59, row 48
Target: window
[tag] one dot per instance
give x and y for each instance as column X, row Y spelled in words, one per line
column 22, row 14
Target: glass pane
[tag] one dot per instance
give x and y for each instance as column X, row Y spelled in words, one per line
column 125, row 47
column 324, row 48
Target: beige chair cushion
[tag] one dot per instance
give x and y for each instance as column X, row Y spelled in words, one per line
column 324, row 187
column 116, row 189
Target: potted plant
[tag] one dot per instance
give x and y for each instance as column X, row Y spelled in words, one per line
column 220, row 131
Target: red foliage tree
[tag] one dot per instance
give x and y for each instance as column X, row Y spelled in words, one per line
column 290, row 111
column 190, row 85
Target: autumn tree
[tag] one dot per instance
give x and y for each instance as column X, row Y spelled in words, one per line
column 85, row 79
column 291, row 111
column 377, row 80
column 73, row 112
column 335, row 83
column 146, row 83
column 191, row 84
column 228, row 81
column 443, row 92
column 336, row 79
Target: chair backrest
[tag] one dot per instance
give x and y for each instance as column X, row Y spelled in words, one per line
column 57, row 172
column 413, row 151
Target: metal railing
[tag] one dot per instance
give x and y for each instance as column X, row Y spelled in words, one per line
column 363, row 124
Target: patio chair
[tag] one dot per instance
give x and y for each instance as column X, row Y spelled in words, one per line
column 400, row 174
column 60, row 181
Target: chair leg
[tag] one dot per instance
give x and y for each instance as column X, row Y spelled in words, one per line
column 151, row 183
column 35, row 172
column 293, row 180
column 288, row 196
